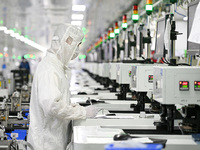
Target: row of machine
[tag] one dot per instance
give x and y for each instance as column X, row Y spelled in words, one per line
column 14, row 109
column 138, row 98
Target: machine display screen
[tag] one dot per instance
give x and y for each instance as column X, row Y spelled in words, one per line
column 184, row 85
column 159, row 49
column 151, row 78
column 197, row 85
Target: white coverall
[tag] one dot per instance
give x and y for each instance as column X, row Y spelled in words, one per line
column 50, row 108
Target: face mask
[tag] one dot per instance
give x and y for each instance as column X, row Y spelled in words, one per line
column 76, row 53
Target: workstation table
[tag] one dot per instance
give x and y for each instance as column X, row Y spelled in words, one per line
column 96, row 137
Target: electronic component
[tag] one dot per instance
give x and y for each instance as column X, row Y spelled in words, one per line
column 197, row 85
column 184, row 85
column 142, row 77
column 150, row 79
column 123, row 72
column 173, row 85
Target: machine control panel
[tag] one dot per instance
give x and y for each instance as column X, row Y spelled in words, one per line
column 176, row 85
column 184, row 85
column 197, row 85
column 150, row 79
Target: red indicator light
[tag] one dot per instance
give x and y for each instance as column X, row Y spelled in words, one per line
column 185, row 83
column 135, row 7
column 6, row 55
column 198, row 83
column 124, row 17
column 124, row 20
column 112, row 30
column 116, row 25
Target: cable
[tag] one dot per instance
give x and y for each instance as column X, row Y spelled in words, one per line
column 180, row 129
column 178, row 12
column 9, row 136
column 190, row 60
column 183, row 64
column 163, row 60
column 143, row 57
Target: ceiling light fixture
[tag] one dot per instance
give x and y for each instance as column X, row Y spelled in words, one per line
column 77, row 16
column 8, row 31
column 76, row 23
column 3, row 28
column 78, row 7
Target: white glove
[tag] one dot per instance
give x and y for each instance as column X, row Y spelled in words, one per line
column 91, row 111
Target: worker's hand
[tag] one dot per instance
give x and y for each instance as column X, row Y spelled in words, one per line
column 91, row 111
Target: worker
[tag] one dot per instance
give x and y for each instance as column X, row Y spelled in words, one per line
column 24, row 65
column 50, row 108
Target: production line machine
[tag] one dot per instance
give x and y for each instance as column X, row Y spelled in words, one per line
column 173, row 90
column 14, row 109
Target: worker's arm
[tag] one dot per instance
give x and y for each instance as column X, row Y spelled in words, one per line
column 50, row 99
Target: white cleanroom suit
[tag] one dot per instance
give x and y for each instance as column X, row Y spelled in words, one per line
column 50, row 108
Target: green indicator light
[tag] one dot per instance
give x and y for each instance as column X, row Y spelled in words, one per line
column 13, row 56
column 26, row 56
column 117, row 31
column 124, row 25
column 135, row 17
column 14, row 29
column 149, row 7
column 26, row 36
column 33, row 57
column 1, row 21
column 195, row 86
column 19, row 32
column 83, row 41
column 185, row 86
column 83, row 29
column 112, row 35
column 82, row 56
column 1, row 55
column 198, row 86
column 19, row 57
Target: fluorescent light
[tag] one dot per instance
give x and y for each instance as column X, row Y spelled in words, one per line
column 8, row 31
column 21, row 38
column 16, row 35
column 5, row 49
column 3, row 28
column 76, row 23
column 77, row 16
column 78, row 7
column 26, row 40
